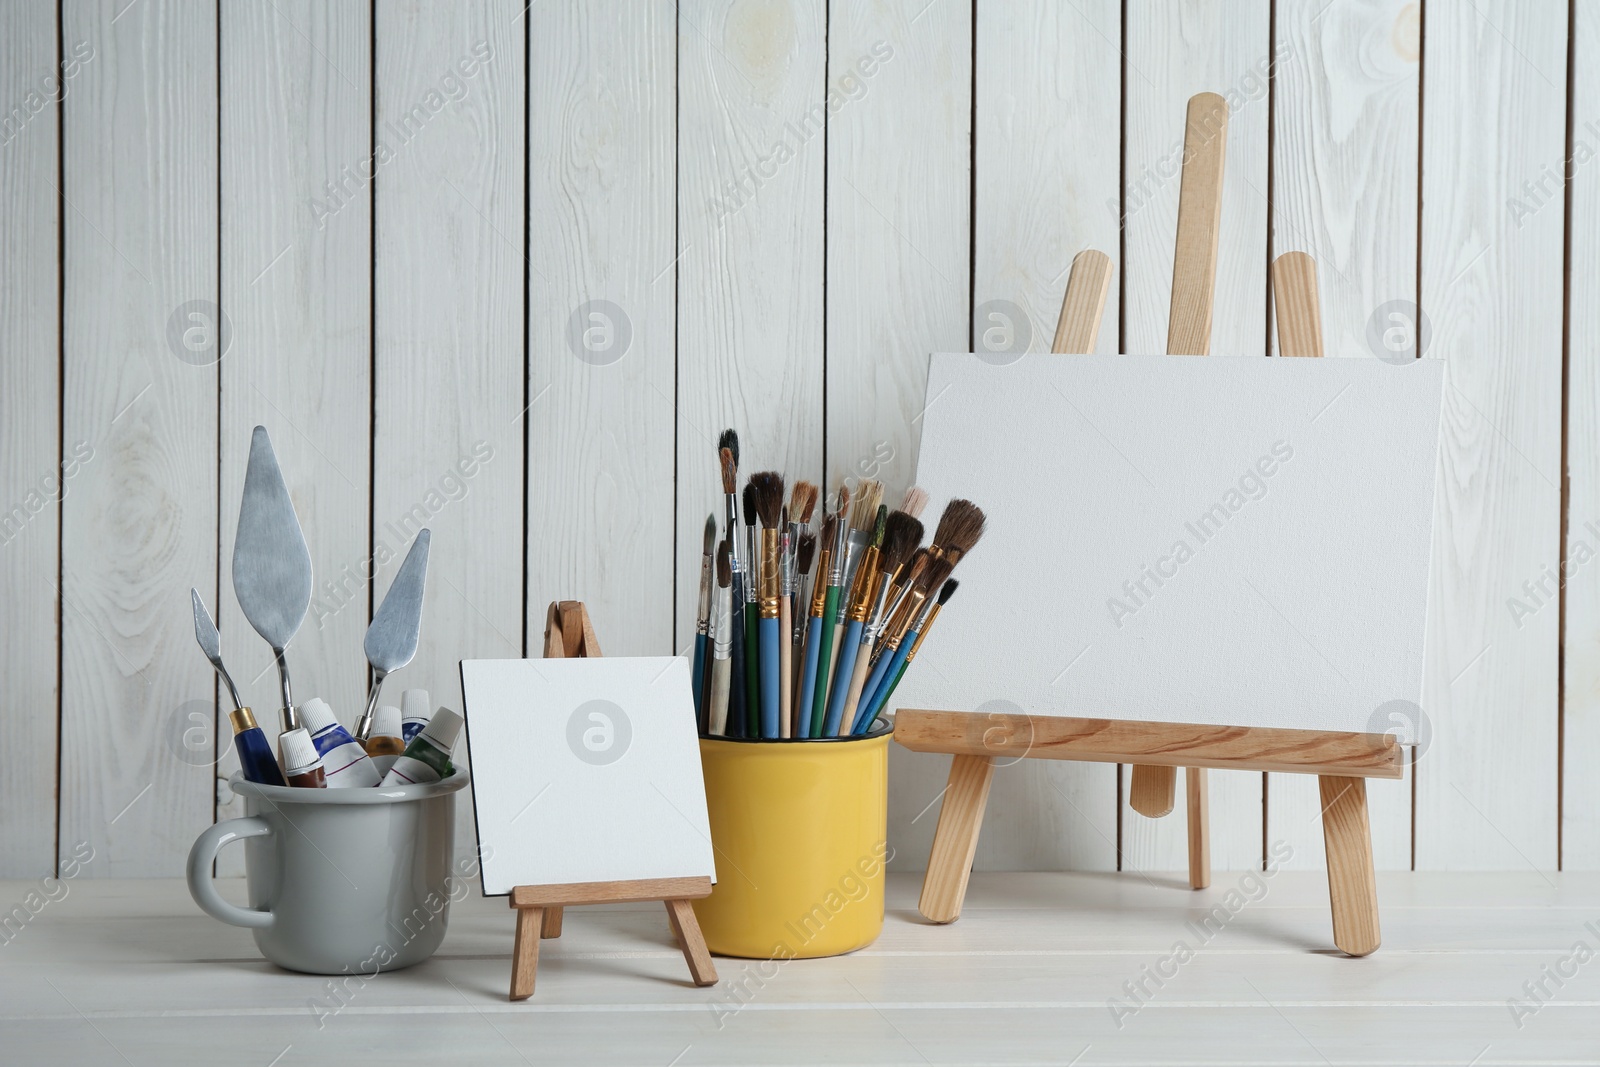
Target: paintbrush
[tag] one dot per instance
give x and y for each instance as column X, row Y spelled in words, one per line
column 831, row 593
column 960, row 527
column 895, row 646
column 703, row 620
column 808, row 718
column 863, row 590
column 786, row 561
column 902, row 535
column 870, row 712
column 766, row 490
column 728, row 457
column 863, row 519
column 752, row 650
column 803, row 559
column 722, row 629
column 915, row 500
column 802, row 502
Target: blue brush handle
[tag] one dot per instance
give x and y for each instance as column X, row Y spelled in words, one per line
column 808, row 678
column 736, row 665
column 701, row 649
column 841, row 679
column 770, row 632
column 881, row 693
column 880, row 670
column 255, row 757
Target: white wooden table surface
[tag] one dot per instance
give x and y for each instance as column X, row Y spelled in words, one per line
column 130, row 972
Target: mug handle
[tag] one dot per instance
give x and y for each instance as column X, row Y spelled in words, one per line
column 203, row 888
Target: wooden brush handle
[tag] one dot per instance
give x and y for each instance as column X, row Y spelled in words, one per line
column 858, row 679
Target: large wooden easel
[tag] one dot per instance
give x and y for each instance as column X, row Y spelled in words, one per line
column 1341, row 761
column 567, row 634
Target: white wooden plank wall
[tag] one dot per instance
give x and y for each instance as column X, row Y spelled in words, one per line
column 449, row 289
column 1346, row 124
column 30, row 432
column 1174, row 50
column 139, row 527
column 296, row 119
column 597, row 234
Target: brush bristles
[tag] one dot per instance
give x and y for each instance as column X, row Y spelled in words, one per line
column 960, row 527
column 844, row 502
column 901, row 535
column 724, row 566
column 935, row 574
column 749, row 503
column 730, row 441
column 864, row 509
column 730, row 470
column 947, row 591
column 915, row 500
column 766, row 492
column 803, row 501
column 710, row 544
column 878, row 525
column 830, row 529
column 807, row 552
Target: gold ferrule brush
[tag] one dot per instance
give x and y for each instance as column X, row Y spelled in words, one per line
column 769, row 573
column 819, row 588
column 866, row 583
column 702, row 621
column 900, row 625
column 922, row 630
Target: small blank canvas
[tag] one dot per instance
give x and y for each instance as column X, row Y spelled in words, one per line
column 585, row 770
column 1239, row 542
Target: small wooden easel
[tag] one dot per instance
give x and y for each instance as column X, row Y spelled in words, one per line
column 1342, row 761
column 568, row 633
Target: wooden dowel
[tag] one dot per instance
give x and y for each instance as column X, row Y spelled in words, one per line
column 1294, row 296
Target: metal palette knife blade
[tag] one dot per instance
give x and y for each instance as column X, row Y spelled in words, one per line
column 271, row 564
column 392, row 635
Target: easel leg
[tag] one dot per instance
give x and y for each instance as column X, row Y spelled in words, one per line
column 525, row 953
column 1352, row 886
column 551, row 927
column 693, row 943
column 1199, row 798
column 955, row 841
column 1152, row 792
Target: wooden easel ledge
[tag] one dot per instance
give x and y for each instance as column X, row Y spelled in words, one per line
column 1164, row 744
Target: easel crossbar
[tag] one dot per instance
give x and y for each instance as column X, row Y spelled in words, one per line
column 1167, row 744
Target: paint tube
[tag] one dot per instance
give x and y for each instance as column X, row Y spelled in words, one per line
column 385, row 745
column 302, row 767
column 345, row 763
column 256, row 760
column 414, row 713
column 427, row 759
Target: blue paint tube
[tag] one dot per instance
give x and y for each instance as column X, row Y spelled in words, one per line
column 255, row 751
column 344, row 762
column 414, row 713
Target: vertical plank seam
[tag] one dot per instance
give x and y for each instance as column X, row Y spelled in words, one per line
column 677, row 291
column 827, row 138
column 61, row 410
column 527, row 282
column 1566, row 481
column 972, row 187
column 217, row 747
column 1122, row 272
column 1266, row 310
column 372, row 318
column 1422, row 69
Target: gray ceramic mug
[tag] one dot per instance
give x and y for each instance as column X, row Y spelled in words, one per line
column 342, row 881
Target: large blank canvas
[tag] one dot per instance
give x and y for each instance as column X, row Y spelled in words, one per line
column 1187, row 539
column 585, row 770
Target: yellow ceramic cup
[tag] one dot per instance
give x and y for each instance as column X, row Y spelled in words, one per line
column 800, row 829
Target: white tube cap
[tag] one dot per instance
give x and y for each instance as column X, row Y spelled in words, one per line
column 386, row 721
column 443, row 729
column 299, row 754
column 317, row 715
